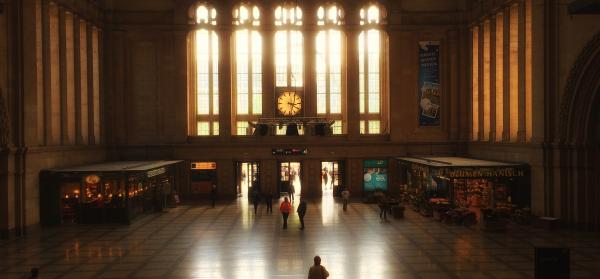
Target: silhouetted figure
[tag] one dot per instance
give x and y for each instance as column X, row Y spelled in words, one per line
column 269, row 202
column 292, row 191
column 285, row 209
column 301, row 212
column 345, row 197
column 383, row 208
column 256, row 200
column 317, row 271
column 213, row 194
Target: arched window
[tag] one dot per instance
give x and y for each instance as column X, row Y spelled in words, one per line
column 205, row 72
column 289, row 61
column 372, row 47
column 330, row 80
column 247, row 68
column 289, row 58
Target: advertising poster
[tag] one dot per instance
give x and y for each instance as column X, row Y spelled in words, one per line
column 429, row 83
column 375, row 175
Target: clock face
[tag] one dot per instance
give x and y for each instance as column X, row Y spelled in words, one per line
column 289, row 103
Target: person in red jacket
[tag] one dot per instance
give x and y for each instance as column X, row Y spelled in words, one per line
column 285, row 208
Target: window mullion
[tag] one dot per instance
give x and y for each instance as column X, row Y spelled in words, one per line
column 327, row 74
column 289, row 57
column 366, row 70
column 210, row 76
column 249, row 72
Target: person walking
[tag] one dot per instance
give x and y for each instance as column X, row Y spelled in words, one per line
column 301, row 212
column 292, row 191
column 256, row 200
column 269, row 201
column 213, row 194
column 383, row 208
column 345, row 197
column 317, row 271
column 285, row 208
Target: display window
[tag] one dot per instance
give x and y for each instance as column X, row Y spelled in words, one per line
column 69, row 202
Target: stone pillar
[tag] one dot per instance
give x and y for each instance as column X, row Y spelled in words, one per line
column 352, row 82
column 506, row 73
column 521, row 133
column 481, row 86
column 225, row 90
column 492, row 77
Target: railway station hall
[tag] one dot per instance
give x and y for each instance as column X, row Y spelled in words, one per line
column 376, row 139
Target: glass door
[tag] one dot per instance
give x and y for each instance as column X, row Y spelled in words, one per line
column 331, row 178
column 248, row 177
column 290, row 183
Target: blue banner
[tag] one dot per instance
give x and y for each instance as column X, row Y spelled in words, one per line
column 429, row 83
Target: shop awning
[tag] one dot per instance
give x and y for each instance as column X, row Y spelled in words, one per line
column 121, row 166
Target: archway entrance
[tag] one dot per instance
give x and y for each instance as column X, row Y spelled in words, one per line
column 580, row 142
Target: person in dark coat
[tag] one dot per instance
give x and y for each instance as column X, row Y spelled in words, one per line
column 301, row 212
column 292, row 191
column 269, row 201
column 213, row 194
column 256, row 200
column 317, row 271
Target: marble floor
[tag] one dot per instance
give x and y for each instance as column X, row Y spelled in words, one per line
column 229, row 241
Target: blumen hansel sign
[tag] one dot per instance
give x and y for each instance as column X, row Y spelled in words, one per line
column 429, row 83
column 481, row 172
column 552, row 263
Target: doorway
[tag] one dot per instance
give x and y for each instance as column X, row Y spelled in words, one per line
column 289, row 179
column 248, row 177
column 331, row 174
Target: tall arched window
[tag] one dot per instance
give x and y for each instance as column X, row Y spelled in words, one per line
column 329, row 78
column 289, row 58
column 247, row 68
column 372, row 48
column 289, row 61
column 205, row 72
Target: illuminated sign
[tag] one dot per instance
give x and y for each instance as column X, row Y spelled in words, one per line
column 482, row 172
column 156, row 172
column 92, row 179
column 289, row 151
column 204, row 166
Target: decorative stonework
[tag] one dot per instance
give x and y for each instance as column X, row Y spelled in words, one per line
column 591, row 49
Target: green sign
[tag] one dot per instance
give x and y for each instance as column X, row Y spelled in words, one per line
column 375, row 163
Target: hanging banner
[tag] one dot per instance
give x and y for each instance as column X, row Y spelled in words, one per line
column 429, row 83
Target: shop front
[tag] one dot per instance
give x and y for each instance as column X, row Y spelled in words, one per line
column 107, row 192
column 468, row 183
column 203, row 175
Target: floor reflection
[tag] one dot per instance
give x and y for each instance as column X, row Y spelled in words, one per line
column 229, row 241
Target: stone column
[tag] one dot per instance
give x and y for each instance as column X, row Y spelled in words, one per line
column 352, row 31
column 225, row 90
column 521, row 133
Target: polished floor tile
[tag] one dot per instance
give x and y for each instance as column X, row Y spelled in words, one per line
column 229, row 241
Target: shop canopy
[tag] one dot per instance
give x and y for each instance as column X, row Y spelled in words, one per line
column 460, row 167
column 148, row 167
